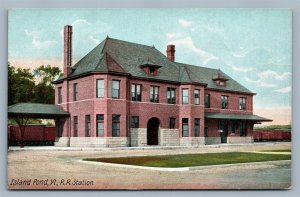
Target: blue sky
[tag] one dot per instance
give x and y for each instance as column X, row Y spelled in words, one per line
column 254, row 46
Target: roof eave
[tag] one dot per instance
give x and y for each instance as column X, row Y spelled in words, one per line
column 233, row 91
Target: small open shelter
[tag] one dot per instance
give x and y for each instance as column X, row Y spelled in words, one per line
column 21, row 112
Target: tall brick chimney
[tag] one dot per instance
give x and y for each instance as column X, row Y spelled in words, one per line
column 171, row 52
column 67, row 50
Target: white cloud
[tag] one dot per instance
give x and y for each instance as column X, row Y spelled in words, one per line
column 31, row 33
column 242, row 69
column 269, row 78
column 42, row 44
column 185, row 23
column 241, row 52
column 173, row 35
column 188, row 43
column 284, row 90
column 261, row 83
column 36, row 42
column 274, row 75
column 96, row 41
column 79, row 22
column 277, row 61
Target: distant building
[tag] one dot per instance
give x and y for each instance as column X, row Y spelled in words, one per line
column 128, row 94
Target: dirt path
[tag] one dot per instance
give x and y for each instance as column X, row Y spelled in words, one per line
column 53, row 169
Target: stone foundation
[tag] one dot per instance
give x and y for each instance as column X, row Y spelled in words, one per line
column 192, row 141
column 61, row 142
column 138, row 137
column 240, row 140
column 168, row 137
column 212, row 140
column 93, row 142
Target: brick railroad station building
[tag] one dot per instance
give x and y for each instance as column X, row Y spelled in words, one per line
column 128, row 94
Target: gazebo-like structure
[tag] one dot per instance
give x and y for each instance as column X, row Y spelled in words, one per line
column 22, row 112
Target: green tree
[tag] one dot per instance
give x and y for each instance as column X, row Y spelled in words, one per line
column 47, row 73
column 44, row 90
column 27, row 86
column 21, row 86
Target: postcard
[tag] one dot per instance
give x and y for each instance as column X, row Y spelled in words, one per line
column 128, row 99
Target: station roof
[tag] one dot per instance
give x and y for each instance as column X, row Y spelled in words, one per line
column 250, row 117
column 36, row 110
column 113, row 55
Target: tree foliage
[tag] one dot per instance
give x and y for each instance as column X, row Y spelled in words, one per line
column 27, row 86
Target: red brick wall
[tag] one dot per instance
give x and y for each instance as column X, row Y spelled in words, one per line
column 233, row 102
column 88, row 104
column 162, row 110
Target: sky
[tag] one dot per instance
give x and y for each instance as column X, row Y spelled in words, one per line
column 253, row 46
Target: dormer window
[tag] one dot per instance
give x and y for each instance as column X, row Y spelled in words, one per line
column 220, row 80
column 150, row 68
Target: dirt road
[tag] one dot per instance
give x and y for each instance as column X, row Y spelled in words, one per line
column 45, row 169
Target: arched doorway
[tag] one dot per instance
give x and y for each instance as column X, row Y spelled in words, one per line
column 152, row 131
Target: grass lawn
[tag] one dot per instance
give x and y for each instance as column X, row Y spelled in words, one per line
column 187, row 160
column 282, row 150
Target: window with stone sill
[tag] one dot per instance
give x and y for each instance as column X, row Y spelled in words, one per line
column 134, row 122
column 100, row 125
column 172, row 122
column 242, row 103
column 115, row 125
column 171, row 95
column 154, row 94
column 224, row 102
column 185, row 127
column 75, row 126
column 136, row 94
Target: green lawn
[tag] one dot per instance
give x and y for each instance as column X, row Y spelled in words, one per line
column 282, row 150
column 187, row 160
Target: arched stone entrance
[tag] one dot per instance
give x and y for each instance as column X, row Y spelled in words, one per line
column 152, row 131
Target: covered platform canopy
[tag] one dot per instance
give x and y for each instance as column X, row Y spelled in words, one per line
column 249, row 117
column 36, row 110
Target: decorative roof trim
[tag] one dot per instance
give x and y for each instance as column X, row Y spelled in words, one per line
column 232, row 91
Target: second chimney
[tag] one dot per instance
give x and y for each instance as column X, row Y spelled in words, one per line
column 171, row 52
column 67, row 50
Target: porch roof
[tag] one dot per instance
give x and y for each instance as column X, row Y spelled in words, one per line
column 250, row 117
column 36, row 110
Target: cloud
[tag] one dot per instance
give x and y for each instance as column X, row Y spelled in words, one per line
column 261, row 83
column 173, row 35
column 80, row 22
column 188, row 43
column 241, row 52
column 42, row 44
column 77, row 22
column 242, row 69
column 31, row 33
column 274, row 75
column 36, row 41
column 277, row 61
column 91, row 31
column 96, row 41
column 268, row 77
column 185, row 23
column 284, row 90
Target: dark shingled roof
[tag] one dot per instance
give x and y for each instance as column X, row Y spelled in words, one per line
column 128, row 57
column 38, row 110
column 236, row 117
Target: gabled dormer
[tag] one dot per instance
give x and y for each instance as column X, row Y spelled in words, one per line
column 150, row 68
column 220, row 80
